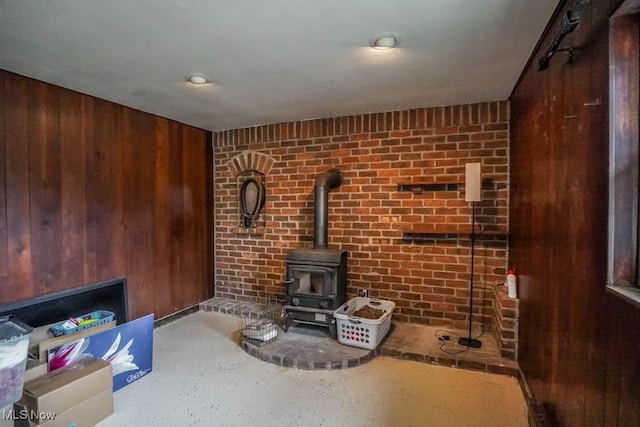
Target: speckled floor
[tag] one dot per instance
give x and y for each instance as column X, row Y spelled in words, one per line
column 201, row 377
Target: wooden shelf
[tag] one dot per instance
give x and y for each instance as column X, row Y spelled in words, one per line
column 422, row 232
column 417, row 187
column 480, row 230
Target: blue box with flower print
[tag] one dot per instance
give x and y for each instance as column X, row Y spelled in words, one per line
column 127, row 347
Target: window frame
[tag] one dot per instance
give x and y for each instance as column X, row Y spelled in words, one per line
column 624, row 134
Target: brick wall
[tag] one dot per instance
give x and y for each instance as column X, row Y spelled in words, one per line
column 507, row 316
column 427, row 277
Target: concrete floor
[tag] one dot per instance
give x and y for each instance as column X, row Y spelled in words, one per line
column 201, row 376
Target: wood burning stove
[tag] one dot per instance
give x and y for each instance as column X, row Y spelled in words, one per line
column 316, row 281
column 316, row 278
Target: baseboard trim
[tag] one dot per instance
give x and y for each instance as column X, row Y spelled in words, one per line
column 537, row 413
column 175, row 316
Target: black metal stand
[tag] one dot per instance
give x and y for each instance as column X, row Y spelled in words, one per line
column 311, row 316
column 468, row 341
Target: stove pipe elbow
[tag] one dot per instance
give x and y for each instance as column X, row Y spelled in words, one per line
column 330, row 180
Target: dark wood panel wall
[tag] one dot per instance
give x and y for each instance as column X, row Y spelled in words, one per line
column 91, row 190
column 579, row 346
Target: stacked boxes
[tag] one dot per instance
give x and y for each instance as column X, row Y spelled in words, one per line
column 79, row 394
column 78, row 391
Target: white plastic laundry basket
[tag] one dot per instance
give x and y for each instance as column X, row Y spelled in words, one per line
column 360, row 332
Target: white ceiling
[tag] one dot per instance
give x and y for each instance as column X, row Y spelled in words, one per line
column 273, row 60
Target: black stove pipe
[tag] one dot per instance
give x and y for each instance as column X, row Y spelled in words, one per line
column 330, row 180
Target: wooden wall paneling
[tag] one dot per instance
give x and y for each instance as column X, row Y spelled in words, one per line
column 197, row 166
column 209, row 214
column 592, row 366
column 529, row 176
column 190, row 154
column 17, row 186
column 613, row 362
column 73, row 199
column 194, row 176
column 597, row 182
column 628, row 413
column 45, row 186
column 107, row 162
column 555, row 272
column 209, row 259
column 138, row 156
column 176, row 182
column 516, row 168
column 542, row 349
column 520, row 223
column 153, row 285
column 575, row 148
column 94, row 191
column 543, row 206
column 198, row 169
column 536, row 207
column 188, row 214
column 18, row 242
column 4, row 267
column 162, row 216
column 202, row 215
column 211, row 255
column 88, row 132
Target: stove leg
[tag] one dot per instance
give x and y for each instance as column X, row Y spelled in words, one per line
column 333, row 331
column 287, row 322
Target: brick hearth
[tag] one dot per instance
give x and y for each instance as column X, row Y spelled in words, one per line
column 303, row 350
column 299, row 349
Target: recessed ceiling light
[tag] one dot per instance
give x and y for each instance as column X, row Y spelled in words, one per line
column 384, row 41
column 197, row 79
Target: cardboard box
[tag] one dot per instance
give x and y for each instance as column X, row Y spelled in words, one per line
column 42, row 339
column 128, row 347
column 67, row 387
column 35, row 369
column 86, row 414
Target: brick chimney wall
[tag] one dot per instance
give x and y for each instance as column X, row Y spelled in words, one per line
column 428, row 279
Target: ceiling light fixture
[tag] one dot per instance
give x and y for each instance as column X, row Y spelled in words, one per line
column 197, row 79
column 384, row 41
